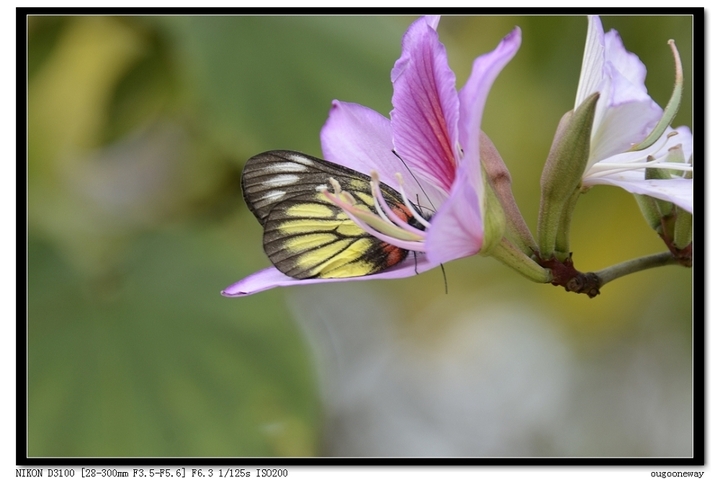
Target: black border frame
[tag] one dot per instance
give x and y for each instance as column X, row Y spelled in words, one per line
column 699, row 339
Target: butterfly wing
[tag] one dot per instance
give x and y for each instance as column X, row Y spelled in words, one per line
column 306, row 235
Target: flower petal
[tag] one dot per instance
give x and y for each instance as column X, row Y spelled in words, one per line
column 456, row 230
column 593, row 62
column 627, row 64
column 473, row 95
column 359, row 138
column 432, row 20
column 426, row 107
column 272, row 277
column 676, row 190
column 622, row 126
column 625, row 113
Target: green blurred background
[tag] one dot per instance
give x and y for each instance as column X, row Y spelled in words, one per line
column 138, row 129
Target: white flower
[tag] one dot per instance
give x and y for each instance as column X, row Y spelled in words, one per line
column 624, row 117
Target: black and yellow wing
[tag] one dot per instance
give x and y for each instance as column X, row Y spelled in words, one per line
column 306, row 235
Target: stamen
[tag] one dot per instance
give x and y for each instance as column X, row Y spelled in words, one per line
column 378, row 198
column 689, row 174
column 336, row 185
column 612, row 168
column 416, row 179
column 639, row 160
column 349, row 199
column 375, row 225
column 672, row 107
column 385, row 208
column 410, row 206
column 415, row 245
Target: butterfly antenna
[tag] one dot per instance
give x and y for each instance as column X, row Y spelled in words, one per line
column 416, row 180
column 419, row 205
column 442, row 267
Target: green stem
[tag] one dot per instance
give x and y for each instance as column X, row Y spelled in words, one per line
column 509, row 254
column 636, row 265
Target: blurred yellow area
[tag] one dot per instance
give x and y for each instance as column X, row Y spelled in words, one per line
column 138, row 128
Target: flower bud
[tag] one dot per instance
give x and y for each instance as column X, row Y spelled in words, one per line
column 683, row 229
column 650, row 212
column 564, row 167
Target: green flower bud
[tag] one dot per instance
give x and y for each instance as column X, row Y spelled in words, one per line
column 562, row 174
column 683, row 229
column 651, row 213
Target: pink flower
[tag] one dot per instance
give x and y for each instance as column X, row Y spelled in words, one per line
column 435, row 130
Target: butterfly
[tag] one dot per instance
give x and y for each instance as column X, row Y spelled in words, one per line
column 305, row 235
